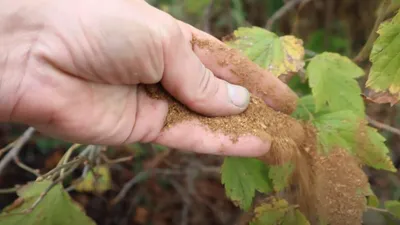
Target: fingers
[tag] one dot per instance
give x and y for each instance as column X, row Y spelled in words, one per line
column 194, row 85
column 188, row 135
column 231, row 66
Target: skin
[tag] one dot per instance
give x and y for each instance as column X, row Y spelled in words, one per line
column 72, row 69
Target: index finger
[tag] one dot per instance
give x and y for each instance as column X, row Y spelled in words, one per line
column 230, row 65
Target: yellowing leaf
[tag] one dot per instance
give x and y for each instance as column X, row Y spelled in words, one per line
column 271, row 213
column 332, row 80
column 279, row 55
column 55, row 208
column 393, row 207
column 99, row 184
column 242, row 177
column 278, row 212
column 385, row 57
column 280, row 175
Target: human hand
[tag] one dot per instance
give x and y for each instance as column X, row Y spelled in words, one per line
column 71, row 69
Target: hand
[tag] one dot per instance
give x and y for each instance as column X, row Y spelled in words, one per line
column 70, row 68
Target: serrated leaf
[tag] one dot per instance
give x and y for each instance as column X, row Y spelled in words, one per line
column 279, row 55
column 242, row 177
column 271, row 213
column 295, row 217
column 55, row 208
column 372, row 199
column 336, row 129
column 385, row 57
column 372, row 149
column 280, row 175
column 332, row 81
column 99, row 184
column 344, row 129
column 393, row 207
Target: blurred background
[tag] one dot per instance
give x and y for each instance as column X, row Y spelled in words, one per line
column 186, row 188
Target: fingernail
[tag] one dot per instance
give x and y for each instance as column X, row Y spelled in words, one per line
column 239, row 95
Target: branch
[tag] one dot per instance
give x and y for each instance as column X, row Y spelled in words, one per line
column 365, row 51
column 383, row 126
column 17, row 146
column 282, row 11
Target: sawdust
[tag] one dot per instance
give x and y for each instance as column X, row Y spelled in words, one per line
column 340, row 188
column 258, row 119
column 248, row 73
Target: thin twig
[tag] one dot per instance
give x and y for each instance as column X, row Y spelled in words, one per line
column 282, row 11
column 136, row 179
column 383, row 126
column 186, row 199
column 377, row 209
column 114, row 161
column 17, row 146
column 207, row 17
column 5, row 149
column 365, row 51
column 9, row 190
column 25, row 167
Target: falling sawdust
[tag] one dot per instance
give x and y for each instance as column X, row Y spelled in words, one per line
column 325, row 186
column 341, row 187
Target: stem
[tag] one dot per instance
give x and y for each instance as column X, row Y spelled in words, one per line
column 282, row 11
column 67, row 155
column 383, row 126
column 365, row 51
column 377, row 209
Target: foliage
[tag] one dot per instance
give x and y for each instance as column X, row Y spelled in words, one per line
column 242, row 177
column 279, row 55
column 332, row 80
column 55, row 208
column 278, row 212
column 385, row 58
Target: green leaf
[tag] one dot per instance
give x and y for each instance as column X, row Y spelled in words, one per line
column 344, row 129
column 242, row 177
column 270, row 213
column 372, row 199
column 393, row 207
column 295, row 217
column 337, row 129
column 279, row 55
column 55, row 208
column 280, row 175
column 385, row 58
column 332, row 80
column 372, row 149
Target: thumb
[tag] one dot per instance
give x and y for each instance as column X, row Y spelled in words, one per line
column 189, row 81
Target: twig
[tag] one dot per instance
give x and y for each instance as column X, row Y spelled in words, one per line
column 282, row 11
column 114, row 161
column 186, row 199
column 377, row 209
column 136, row 179
column 365, row 51
column 9, row 190
column 17, row 146
column 5, row 149
column 383, row 126
column 26, row 167
column 207, row 17
column 67, row 155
